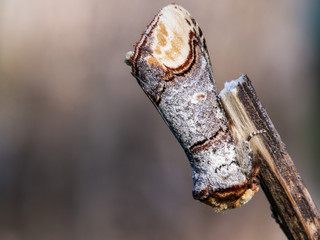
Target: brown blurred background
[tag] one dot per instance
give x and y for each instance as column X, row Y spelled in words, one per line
column 83, row 153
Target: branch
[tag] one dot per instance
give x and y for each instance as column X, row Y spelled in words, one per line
column 290, row 200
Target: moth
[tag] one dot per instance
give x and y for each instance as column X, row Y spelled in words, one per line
column 172, row 65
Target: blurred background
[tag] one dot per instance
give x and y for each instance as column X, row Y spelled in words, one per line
column 84, row 154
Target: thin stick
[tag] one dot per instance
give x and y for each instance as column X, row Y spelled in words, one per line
column 291, row 203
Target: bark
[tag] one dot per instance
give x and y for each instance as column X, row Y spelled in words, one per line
column 291, row 203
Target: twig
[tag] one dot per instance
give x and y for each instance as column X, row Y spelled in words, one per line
column 290, row 201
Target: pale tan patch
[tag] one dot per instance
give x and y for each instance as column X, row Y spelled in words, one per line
column 171, row 37
column 162, row 29
column 220, row 205
column 157, row 51
column 198, row 97
column 153, row 61
column 245, row 197
column 176, row 48
column 161, row 39
column 162, row 35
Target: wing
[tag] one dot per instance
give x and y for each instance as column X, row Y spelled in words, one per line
column 172, row 66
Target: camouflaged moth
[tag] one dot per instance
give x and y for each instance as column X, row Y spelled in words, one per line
column 172, row 65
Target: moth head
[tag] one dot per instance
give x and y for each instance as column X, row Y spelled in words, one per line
column 168, row 44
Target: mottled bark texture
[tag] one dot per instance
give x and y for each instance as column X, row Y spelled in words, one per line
column 184, row 93
column 291, row 204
